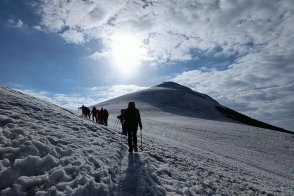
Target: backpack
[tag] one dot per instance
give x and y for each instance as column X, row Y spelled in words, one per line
column 132, row 117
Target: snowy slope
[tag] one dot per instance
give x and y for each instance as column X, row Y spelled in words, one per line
column 172, row 98
column 174, row 116
column 46, row 150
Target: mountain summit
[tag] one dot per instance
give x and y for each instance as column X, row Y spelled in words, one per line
column 173, row 98
column 173, row 85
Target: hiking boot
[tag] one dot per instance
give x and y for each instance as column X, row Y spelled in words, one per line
column 135, row 149
column 130, row 150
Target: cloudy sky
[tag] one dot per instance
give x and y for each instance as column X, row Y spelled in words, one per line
column 240, row 52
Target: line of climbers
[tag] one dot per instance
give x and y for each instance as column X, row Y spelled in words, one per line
column 130, row 119
column 98, row 116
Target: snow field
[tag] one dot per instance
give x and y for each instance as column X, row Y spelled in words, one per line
column 229, row 165
column 47, row 150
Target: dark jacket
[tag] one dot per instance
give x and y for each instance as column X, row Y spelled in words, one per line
column 132, row 119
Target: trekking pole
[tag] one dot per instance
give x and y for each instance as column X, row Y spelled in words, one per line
column 121, row 147
column 141, row 141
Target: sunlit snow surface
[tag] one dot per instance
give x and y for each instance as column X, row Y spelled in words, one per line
column 47, row 150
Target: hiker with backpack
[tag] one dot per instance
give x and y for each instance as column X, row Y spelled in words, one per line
column 121, row 118
column 85, row 111
column 132, row 120
column 105, row 115
column 99, row 115
column 93, row 112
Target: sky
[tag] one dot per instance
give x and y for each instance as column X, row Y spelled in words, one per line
column 74, row 52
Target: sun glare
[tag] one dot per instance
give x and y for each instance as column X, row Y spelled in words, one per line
column 128, row 53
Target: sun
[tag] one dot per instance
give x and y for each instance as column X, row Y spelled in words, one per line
column 128, row 53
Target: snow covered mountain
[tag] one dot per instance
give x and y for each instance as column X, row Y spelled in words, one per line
column 172, row 98
column 48, row 150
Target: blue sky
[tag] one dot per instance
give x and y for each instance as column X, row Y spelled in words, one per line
column 82, row 52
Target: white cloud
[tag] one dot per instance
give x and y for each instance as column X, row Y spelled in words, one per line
column 38, row 94
column 260, row 33
column 98, row 55
column 73, row 101
column 109, row 92
column 84, row 17
column 66, row 101
column 38, row 27
column 73, row 36
column 170, row 29
column 90, row 97
column 264, row 91
column 15, row 23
